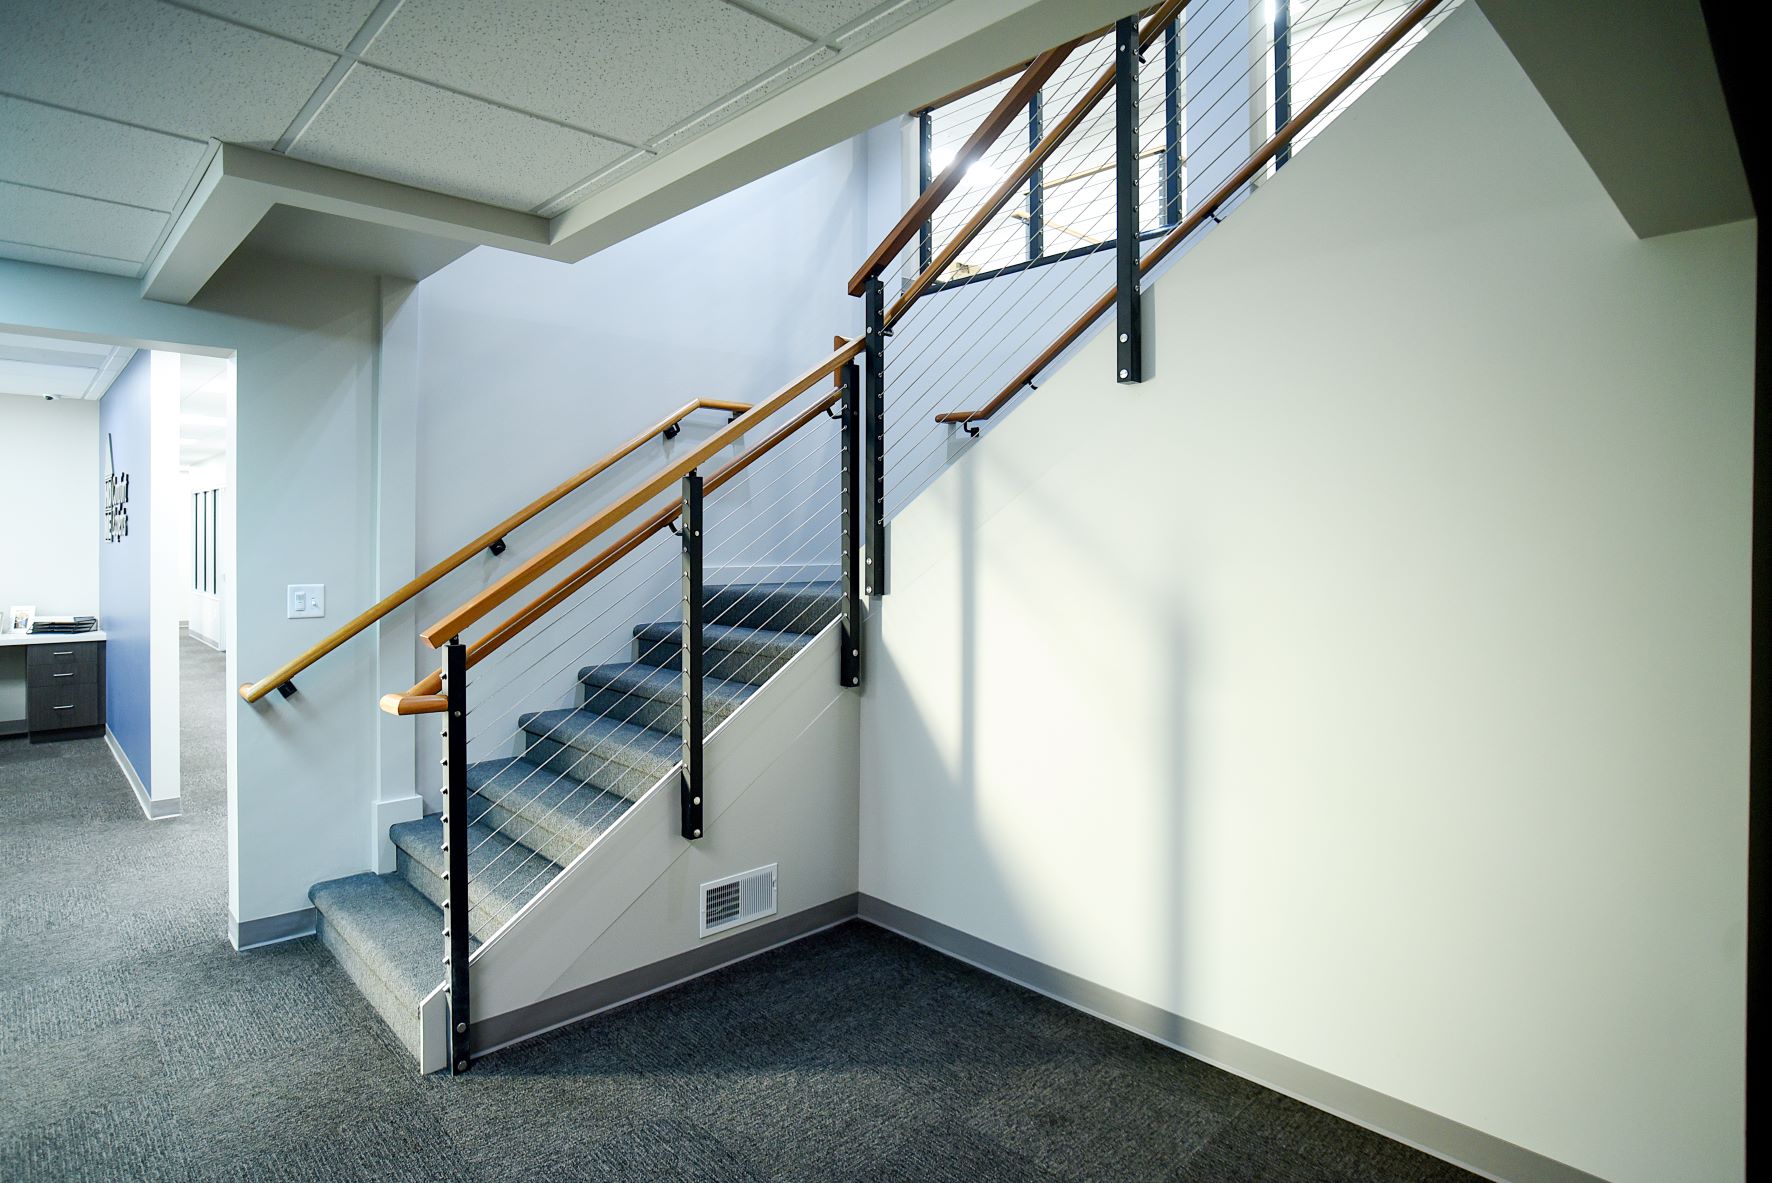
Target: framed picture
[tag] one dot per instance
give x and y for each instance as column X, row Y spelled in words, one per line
column 18, row 618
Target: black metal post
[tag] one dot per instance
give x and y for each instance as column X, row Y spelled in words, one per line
column 1172, row 106
column 925, row 174
column 849, row 669
column 1282, row 75
column 1127, row 317
column 1036, row 190
column 455, row 850
column 690, row 781
column 876, row 420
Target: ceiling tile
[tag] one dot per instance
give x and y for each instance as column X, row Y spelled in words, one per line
column 750, row 96
column 73, row 260
column 329, row 24
column 84, row 154
column 883, row 20
column 626, row 68
column 823, row 17
column 40, row 218
column 24, row 377
column 391, row 127
column 159, row 67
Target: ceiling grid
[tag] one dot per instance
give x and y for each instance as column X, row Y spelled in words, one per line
column 110, row 110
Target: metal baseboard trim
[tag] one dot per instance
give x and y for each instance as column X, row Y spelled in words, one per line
column 499, row 1031
column 1428, row 1132
column 271, row 930
column 154, row 811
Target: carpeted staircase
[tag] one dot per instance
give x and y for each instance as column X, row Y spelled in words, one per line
column 579, row 770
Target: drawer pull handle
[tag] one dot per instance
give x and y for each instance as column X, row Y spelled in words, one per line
column 61, row 653
column 69, row 707
column 69, row 674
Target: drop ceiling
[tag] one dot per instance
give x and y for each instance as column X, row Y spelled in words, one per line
column 56, row 367
column 110, row 110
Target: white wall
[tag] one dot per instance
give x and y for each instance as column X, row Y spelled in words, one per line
column 526, row 371
column 1370, row 685
column 300, row 770
column 50, row 491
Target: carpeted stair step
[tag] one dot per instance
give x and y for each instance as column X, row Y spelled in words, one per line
column 557, row 816
column 733, row 654
column 389, row 939
column 778, row 607
column 652, row 696
column 502, row 875
column 610, row 753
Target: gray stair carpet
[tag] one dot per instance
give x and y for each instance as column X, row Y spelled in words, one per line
column 579, row 769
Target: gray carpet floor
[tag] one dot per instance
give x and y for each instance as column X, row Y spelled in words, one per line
column 137, row 1045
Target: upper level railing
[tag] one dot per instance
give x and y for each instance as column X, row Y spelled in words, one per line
column 493, row 540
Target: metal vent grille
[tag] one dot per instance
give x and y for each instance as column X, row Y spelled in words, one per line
column 737, row 899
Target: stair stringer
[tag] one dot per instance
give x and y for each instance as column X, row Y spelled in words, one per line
column 783, row 787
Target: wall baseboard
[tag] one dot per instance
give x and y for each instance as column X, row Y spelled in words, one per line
column 1398, row 1120
column 209, row 641
column 154, row 811
column 538, row 1018
column 271, row 930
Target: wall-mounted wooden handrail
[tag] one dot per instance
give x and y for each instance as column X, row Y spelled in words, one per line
column 1386, row 41
column 253, row 691
column 478, row 607
column 424, row 693
column 999, row 197
column 1013, row 102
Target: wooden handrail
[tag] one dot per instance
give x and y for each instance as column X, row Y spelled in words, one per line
column 424, row 693
column 999, row 197
column 1284, row 136
column 253, row 691
column 479, row 606
column 1014, row 100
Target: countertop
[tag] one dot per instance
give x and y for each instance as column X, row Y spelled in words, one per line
column 8, row 639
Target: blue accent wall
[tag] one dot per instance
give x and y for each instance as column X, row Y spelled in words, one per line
column 124, row 585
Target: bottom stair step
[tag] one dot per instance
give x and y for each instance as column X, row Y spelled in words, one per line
column 389, row 939
column 502, row 875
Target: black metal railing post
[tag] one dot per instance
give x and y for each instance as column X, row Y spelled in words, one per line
column 1282, row 76
column 455, row 850
column 925, row 146
column 1130, row 361
column 876, row 427
column 1036, row 179
column 691, row 779
column 1173, row 161
column 849, row 669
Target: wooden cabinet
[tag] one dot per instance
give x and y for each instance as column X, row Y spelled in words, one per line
column 65, row 689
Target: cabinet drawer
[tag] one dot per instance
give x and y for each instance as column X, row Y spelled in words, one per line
column 59, row 656
column 65, row 674
column 54, row 708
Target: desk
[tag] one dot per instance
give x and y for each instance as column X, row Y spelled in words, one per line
column 38, row 671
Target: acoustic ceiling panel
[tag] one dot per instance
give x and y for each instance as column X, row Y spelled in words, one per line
column 629, row 69
column 38, row 217
column 772, row 83
column 57, row 149
column 159, row 67
column 822, row 17
column 75, row 260
column 386, row 126
column 883, row 20
column 329, row 24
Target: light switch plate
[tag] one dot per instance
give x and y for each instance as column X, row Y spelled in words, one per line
column 307, row 600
